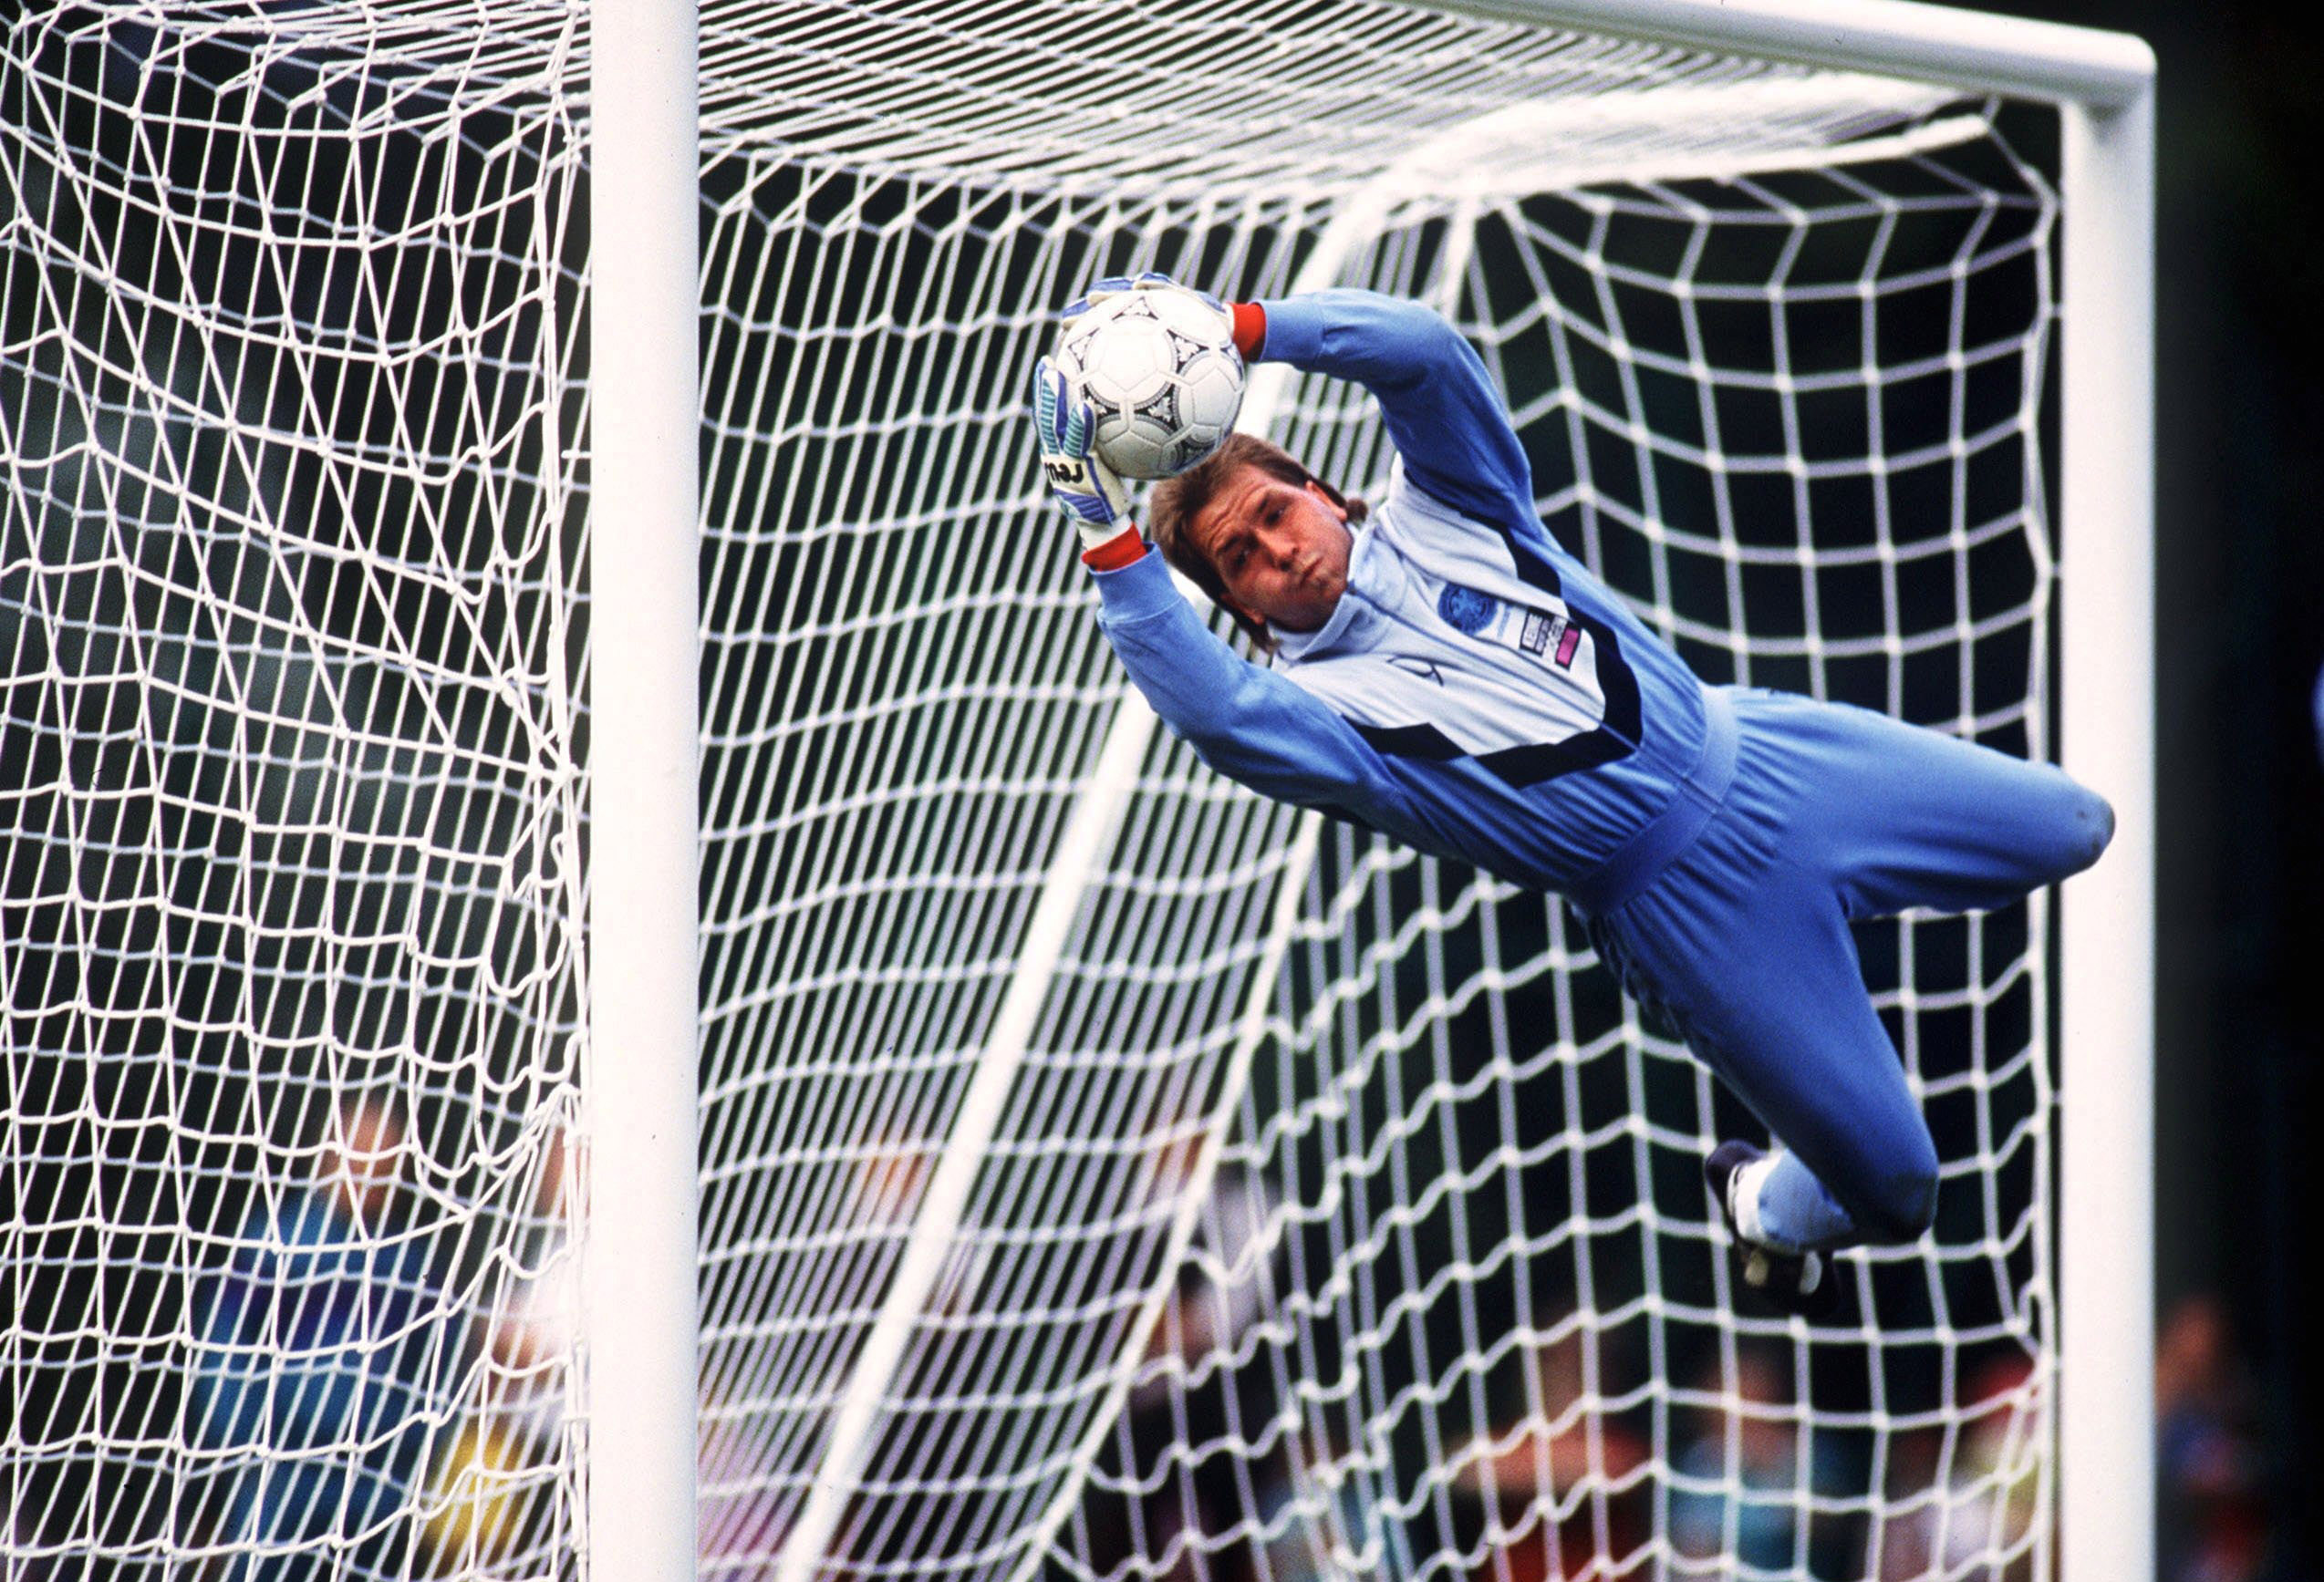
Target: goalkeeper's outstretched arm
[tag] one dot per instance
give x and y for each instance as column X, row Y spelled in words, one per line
column 1437, row 402
column 1246, row 722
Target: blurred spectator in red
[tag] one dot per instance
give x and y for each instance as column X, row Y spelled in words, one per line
column 1978, row 1521
column 1567, row 1483
column 2212, row 1521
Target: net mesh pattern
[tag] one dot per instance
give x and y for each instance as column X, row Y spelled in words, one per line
column 1343, row 1218
column 289, row 561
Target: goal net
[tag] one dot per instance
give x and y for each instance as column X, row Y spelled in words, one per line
column 1334, row 1217
column 1338, row 1218
column 290, row 789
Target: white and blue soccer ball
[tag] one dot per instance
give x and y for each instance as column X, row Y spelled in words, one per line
column 1161, row 371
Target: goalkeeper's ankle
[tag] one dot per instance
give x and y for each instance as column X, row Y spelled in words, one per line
column 1749, row 1223
column 1786, row 1280
column 1737, row 1173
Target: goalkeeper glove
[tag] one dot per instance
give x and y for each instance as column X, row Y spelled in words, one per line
column 1116, row 286
column 1087, row 491
column 1244, row 322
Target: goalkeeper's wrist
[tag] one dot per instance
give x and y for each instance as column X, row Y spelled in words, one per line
column 1249, row 328
column 1109, row 549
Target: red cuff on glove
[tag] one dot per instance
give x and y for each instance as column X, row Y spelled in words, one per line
column 1124, row 548
column 1251, row 328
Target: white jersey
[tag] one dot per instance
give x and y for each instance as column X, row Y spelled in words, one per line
column 1436, row 630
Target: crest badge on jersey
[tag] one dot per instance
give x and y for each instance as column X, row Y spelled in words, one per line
column 1466, row 610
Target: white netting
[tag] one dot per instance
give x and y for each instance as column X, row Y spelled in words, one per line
column 1454, row 1303
column 290, row 423
column 287, row 561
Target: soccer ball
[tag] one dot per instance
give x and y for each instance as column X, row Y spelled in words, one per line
column 1162, row 373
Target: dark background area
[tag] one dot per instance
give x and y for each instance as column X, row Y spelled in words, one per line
column 2239, row 634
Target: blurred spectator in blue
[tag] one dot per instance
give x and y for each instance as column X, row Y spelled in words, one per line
column 1758, row 1476
column 321, row 1347
column 2315, row 705
column 1318, row 1505
column 2213, row 1527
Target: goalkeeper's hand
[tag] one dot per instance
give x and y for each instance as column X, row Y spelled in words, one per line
column 1087, row 491
column 1116, row 284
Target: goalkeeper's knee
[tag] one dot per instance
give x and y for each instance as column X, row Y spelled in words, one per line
column 1896, row 1202
column 2076, row 827
column 2093, row 818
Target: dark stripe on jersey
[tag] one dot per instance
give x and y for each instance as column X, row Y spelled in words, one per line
column 1424, row 741
column 1621, row 688
column 1533, row 568
column 1622, row 728
column 1618, row 734
column 1613, row 738
column 1524, row 766
column 1618, row 680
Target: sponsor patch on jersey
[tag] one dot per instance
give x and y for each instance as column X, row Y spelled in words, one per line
column 1540, row 630
column 1466, row 610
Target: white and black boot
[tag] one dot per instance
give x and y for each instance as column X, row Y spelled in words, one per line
column 1787, row 1282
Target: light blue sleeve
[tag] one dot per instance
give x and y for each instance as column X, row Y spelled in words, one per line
column 1243, row 720
column 1442, row 411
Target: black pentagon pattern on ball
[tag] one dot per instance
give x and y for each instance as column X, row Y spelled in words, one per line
column 1162, row 407
column 1075, row 351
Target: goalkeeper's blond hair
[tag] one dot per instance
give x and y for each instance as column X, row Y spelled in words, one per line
column 1171, row 510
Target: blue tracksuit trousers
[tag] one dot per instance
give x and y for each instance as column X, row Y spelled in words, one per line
column 1833, row 813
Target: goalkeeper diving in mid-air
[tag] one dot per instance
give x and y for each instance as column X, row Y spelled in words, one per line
column 1445, row 673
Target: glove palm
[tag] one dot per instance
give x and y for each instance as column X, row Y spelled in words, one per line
column 1089, row 491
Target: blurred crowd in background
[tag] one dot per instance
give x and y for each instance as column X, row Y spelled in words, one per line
column 1566, row 1484
column 2239, row 637
column 332, row 1328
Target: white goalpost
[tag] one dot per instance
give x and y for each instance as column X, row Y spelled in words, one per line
column 638, row 1255
column 603, row 976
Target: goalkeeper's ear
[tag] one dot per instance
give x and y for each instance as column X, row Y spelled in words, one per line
column 1251, row 627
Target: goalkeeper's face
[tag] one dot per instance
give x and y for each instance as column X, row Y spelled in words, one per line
column 1281, row 548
